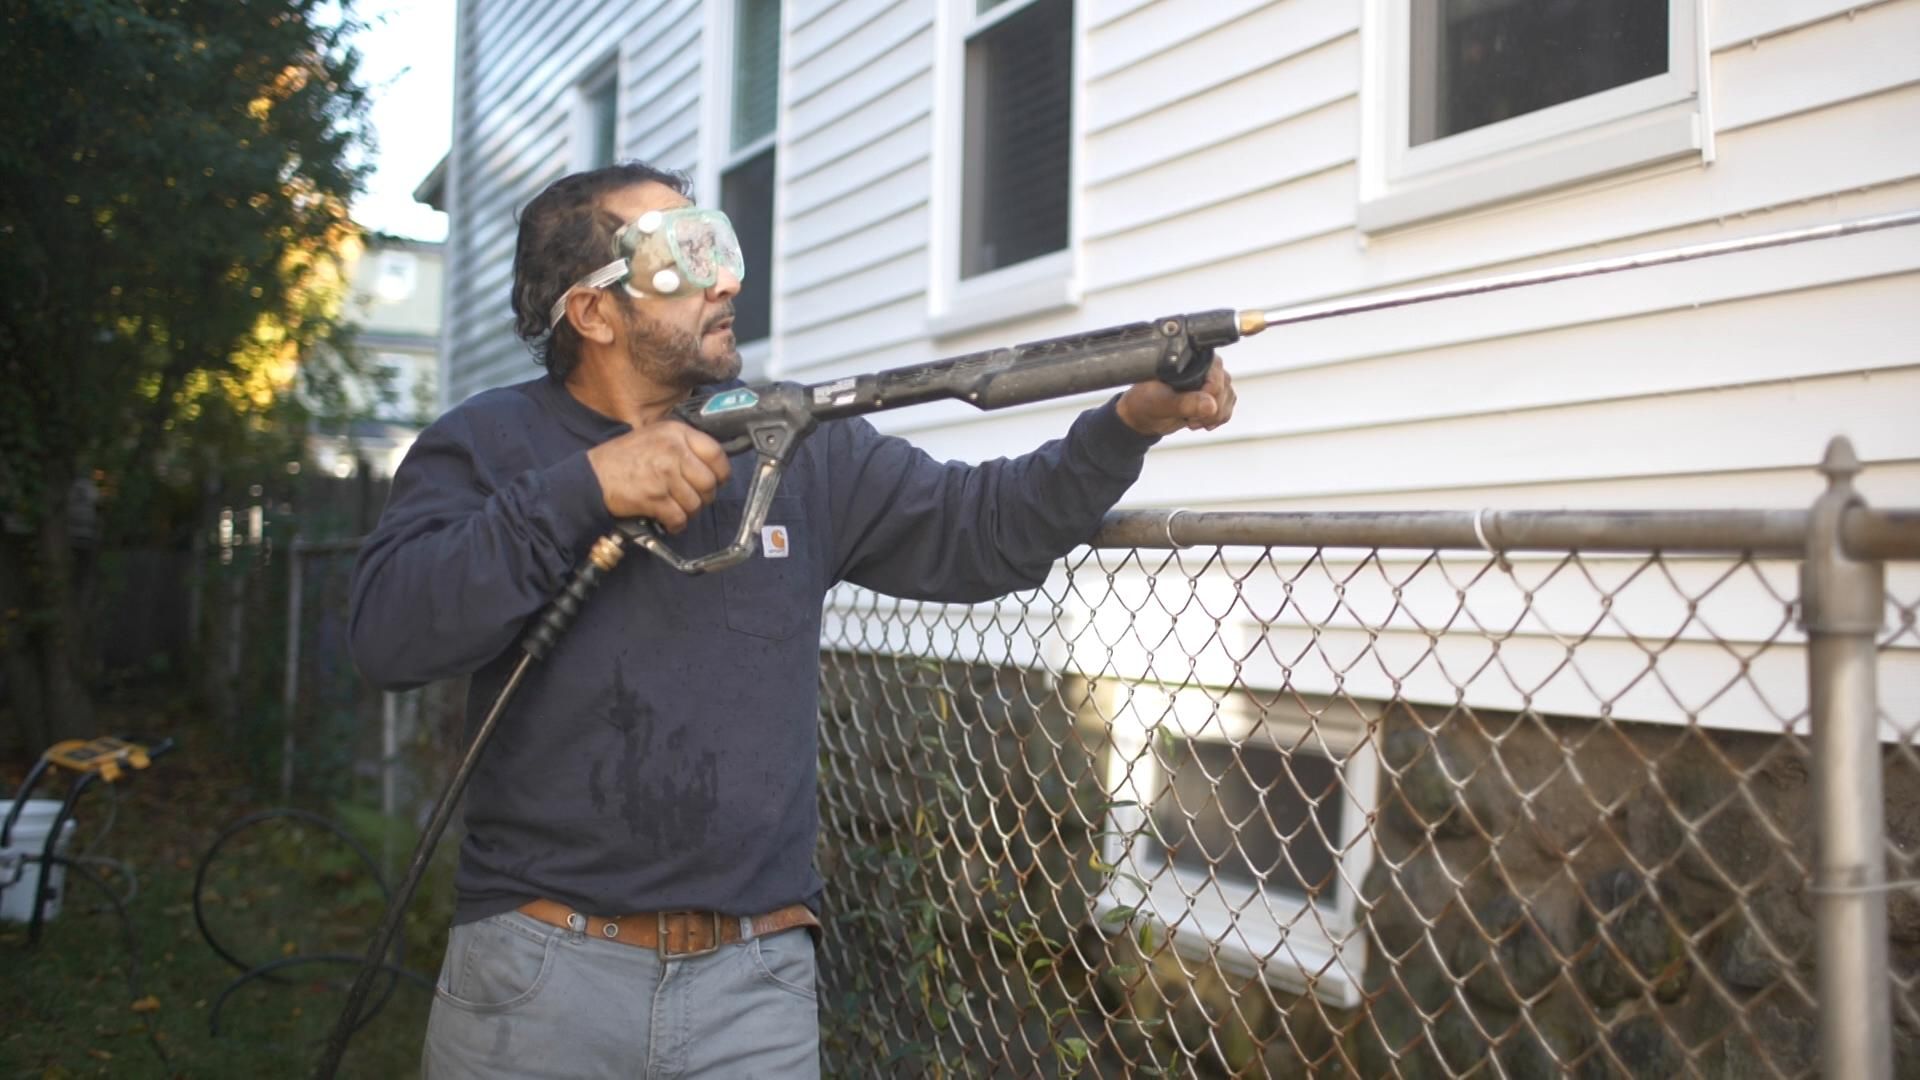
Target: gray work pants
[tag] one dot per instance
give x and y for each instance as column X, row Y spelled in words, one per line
column 518, row 998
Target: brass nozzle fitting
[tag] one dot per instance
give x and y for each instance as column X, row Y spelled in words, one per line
column 1252, row 322
column 607, row 552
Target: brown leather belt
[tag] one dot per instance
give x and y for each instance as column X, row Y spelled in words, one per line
column 671, row 933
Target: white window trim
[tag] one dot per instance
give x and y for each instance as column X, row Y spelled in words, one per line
column 1045, row 284
column 1657, row 119
column 1318, row 948
column 717, row 156
column 601, row 74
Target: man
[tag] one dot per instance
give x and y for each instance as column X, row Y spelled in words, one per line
column 636, row 885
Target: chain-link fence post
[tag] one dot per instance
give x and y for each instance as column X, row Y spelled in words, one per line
column 1842, row 605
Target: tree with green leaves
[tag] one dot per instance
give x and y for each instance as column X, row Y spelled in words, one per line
column 174, row 176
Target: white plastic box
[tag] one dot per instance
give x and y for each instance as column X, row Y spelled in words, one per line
column 20, row 867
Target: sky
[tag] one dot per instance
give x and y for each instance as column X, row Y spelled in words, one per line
column 407, row 65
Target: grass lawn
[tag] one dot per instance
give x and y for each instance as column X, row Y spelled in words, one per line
column 278, row 889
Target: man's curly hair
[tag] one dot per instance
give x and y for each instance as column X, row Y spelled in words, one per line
column 566, row 234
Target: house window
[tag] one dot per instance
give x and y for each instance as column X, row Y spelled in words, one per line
column 399, row 271
column 1019, row 126
column 1239, row 824
column 748, row 158
column 404, row 387
column 1478, row 62
column 604, row 117
column 1005, row 111
column 596, row 117
column 756, row 71
column 1471, row 102
column 390, row 385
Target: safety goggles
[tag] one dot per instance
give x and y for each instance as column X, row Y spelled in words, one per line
column 669, row 250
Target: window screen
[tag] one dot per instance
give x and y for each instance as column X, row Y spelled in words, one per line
column 1019, row 127
column 1241, row 813
column 1478, row 62
column 746, row 194
column 746, row 182
column 756, row 70
column 602, row 104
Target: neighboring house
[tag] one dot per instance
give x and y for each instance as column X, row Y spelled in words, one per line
column 922, row 178
column 394, row 294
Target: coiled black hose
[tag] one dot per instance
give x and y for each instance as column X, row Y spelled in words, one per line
column 250, row 972
column 81, row 870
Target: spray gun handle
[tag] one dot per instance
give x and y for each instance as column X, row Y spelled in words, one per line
column 771, row 419
column 766, row 478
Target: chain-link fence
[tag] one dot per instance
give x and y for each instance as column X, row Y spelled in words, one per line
column 344, row 741
column 327, row 711
column 265, row 634
column 1341, row 794
column 1378, row 795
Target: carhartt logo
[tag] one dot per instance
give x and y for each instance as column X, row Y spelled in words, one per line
column 773, row 541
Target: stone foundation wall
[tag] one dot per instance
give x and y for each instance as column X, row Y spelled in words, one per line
column 1578, row 898
column 1562, row 895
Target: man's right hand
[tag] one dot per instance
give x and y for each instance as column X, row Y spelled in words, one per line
column 664, row 472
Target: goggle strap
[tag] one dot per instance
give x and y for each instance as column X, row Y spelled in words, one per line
column 600, row 278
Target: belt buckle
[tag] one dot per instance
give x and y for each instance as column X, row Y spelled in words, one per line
column 666, row 949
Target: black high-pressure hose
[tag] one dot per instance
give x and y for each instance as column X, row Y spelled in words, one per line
column 48, row 860
column 250, row 972
column 82, row 870
column 604, row 556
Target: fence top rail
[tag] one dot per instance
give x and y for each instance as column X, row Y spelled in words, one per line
column 1867, row 533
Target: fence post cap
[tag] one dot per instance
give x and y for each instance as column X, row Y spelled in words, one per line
column 1841, row 464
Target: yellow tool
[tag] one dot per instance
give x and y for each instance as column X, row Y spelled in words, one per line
column 106, row 759
column 106, row 756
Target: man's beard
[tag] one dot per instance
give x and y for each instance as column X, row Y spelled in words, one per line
column 673, row 357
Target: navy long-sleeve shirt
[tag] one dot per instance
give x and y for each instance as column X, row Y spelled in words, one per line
column 663, row 755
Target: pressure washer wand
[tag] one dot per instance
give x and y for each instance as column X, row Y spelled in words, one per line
column 772, row 418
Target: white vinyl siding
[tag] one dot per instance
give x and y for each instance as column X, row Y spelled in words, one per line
column 1220, row 169
column 517, row 67
column 1218, row 164
column 856, row 177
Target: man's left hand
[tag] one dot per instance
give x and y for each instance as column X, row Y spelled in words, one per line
column 1154, row 408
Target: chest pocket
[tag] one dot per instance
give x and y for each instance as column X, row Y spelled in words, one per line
column 772, row 594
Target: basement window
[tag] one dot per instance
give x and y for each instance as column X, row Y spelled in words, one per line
column 1239, row 829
